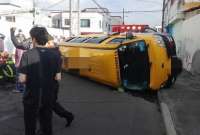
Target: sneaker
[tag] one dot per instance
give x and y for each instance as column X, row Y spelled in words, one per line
column 16, row 91
column 69, row 120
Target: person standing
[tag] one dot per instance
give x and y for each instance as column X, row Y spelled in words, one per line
column 39, row 96
column 57, row 107
column 26, row 45
column 19, row 38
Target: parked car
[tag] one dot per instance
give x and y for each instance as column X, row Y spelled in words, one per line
column 7, row 66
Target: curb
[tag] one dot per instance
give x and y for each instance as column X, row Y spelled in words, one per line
column 168, row 121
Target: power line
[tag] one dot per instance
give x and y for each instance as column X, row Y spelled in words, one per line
column 116, row 12
column 150, row 1
column 138, row 11
column 55, row 4
column 99, row 6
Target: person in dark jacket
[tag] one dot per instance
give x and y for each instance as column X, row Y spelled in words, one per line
column 26, row 45
column 57, row 108
column 38, row 96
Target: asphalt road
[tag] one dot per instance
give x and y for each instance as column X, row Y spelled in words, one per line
column 98, row 110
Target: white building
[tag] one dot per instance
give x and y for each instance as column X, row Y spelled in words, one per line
column 91, row 21
column 116, row 20
column 182, row 19
column 12, row 14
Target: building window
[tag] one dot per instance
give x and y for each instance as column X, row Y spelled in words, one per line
column 85, row 23
column 100, row 24
column 56, row 23
column 109, row 27
column 67, row 21
column 10, row 18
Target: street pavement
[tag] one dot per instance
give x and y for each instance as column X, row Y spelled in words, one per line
column 98, row 110
column 183, row 101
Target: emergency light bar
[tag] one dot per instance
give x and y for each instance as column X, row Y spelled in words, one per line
column 126, row 28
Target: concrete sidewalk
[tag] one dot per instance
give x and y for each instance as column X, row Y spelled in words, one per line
column 183, row 102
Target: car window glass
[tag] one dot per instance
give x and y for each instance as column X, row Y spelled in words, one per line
column 78, row 40
column 97, row 39
column 160, row 40
column 117, row 40
column 141, row 45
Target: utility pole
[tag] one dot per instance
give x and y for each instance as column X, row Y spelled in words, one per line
column 78, row 6
column 163, row 16
column 123, row 17
column 33, row 12
column 70, row 17
column 62, row 23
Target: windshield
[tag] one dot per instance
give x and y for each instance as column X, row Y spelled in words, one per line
column 78, row 40
column 117, row 40
column 97, row 39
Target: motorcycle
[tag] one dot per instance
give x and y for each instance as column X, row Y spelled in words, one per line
column 7, row 68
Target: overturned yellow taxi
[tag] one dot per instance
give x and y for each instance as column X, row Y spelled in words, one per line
column 139, row 62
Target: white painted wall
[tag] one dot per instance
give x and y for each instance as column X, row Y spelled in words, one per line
column 7, row 8
column 5, row 29
column 186, row 32
column 22, row 21
column 95, row 19
column 58, row 32
column 187, row 37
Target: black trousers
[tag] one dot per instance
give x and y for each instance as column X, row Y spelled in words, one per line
column 32, row 113
column 58, row 108
column 61, row 111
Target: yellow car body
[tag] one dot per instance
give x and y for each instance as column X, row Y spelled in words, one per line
column 139, row 63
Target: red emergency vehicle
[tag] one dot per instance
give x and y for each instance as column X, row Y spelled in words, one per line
column 132, row 27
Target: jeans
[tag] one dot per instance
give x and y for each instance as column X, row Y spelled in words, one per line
column 19, row 86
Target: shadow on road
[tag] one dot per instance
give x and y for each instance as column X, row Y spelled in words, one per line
column 146, row 95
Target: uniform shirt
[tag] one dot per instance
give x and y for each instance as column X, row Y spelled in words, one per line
column 40, row 65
